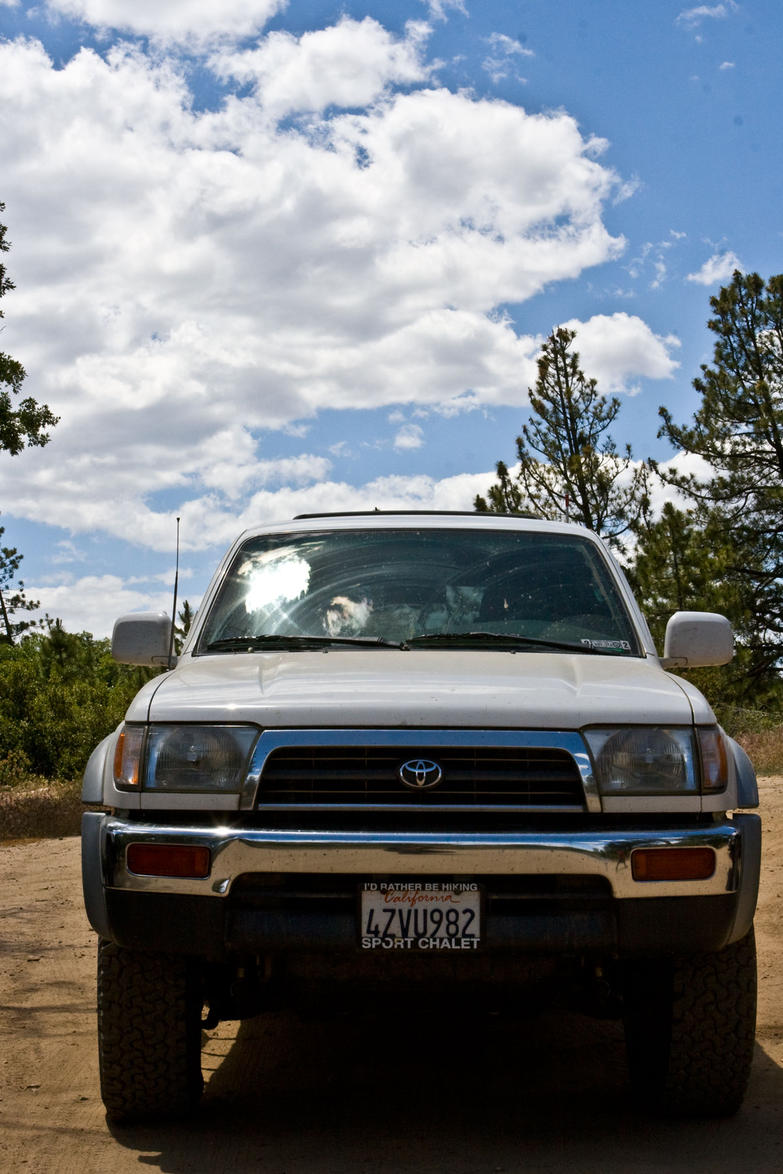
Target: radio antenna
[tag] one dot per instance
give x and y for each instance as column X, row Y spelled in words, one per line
column 174, row 608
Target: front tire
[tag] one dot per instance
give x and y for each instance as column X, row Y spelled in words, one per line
column 689, row 1028
column 149, row 1033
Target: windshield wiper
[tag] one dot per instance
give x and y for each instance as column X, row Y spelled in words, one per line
column 506, row 640
column 269, row 641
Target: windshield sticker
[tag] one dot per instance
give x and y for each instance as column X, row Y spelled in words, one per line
column 615, row 645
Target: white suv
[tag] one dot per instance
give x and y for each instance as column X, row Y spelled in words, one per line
column 424, row 754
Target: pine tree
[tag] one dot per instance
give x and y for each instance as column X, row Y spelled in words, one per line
column 738, row 432
column 185, row 616
column 26, row 423
column 681, row 565
column 569, row 465
column 12, row 595
column 20, row 426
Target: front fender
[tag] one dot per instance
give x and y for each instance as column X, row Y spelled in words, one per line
column 93, row 886
column 747, row 787
column 95, row 770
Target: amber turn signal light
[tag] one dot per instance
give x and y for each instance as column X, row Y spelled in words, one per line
column 672, row 864
column 168, row 860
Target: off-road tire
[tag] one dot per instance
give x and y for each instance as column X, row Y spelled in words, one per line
column 149, row 1033
column 689, row 1029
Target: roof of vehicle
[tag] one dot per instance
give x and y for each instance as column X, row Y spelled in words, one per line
column 420, row 519
column 417, row 513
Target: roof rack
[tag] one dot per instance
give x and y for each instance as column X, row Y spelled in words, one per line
column 418, row 513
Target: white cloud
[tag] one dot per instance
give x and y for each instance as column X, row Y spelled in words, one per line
column 228, row 463
column 184, row 21
column 439, row 9
column 724, row 65
column 504, row 50
column 718, row 268
column 188, row 281
column 66, row 552
column 508, row 46
column 692, row 17
column 92, row 603
column 102, row 492
column 660, row 270
column 410, row 436
column 661, row 492
column 620, row 348
column 627, row 189
column 653, row 260
column 347, row 65
column 691, row 464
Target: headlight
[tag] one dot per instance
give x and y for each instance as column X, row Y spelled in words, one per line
column 644, row 760
column 183, row 758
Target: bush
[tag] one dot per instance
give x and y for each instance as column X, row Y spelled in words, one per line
column 60, row 694
column 15, row 770
column 738, row 721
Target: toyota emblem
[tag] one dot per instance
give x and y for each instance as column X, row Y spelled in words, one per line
column 420, row 773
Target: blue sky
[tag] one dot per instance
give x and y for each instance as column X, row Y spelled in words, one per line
column 279, row 258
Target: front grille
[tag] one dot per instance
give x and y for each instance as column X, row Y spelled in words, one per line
column 351, row 776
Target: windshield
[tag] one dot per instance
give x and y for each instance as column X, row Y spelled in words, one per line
column 384, row 586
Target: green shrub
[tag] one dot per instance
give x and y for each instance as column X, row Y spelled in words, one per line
column 15, row 769
column 60, row 694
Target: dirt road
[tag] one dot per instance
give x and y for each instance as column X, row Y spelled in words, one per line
column 359, row 1097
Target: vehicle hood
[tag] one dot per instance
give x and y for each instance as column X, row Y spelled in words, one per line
column 349, row 687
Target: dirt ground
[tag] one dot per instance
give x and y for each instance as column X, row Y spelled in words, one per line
column 354, row 1096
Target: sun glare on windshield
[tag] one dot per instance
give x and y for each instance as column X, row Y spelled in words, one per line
column 274, row 577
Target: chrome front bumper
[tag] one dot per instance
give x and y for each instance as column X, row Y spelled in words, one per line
column 210, row 916
column 237, row 851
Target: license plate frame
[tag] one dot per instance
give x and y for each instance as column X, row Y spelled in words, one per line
column 421, row 916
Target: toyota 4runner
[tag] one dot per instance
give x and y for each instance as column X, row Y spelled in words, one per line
column 433, row 756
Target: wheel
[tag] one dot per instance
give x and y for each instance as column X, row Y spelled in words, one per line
column 689, row 1030
column 149, row 1033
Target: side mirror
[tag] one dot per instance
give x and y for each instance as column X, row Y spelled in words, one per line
column 142, row 638
column 697, row 639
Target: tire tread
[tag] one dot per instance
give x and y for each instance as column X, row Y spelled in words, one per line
column 149, row 1034
column 690, row 1030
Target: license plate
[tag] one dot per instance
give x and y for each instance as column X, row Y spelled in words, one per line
column 420, row 915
